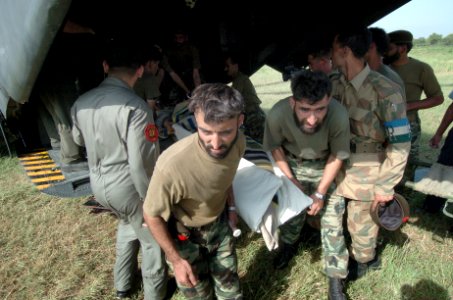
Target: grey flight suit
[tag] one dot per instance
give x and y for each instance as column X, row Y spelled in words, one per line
column 118, row 130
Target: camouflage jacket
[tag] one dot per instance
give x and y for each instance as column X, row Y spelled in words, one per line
column 380, row 135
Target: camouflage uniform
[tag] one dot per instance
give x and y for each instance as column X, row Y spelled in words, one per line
column 418, row 77
column 198, row 246
column 380, row 137
column 306, row 155
column 254, row 115
column 335, row 253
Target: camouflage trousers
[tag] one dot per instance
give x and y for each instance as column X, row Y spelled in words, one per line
column 363, row 230
column 335, row 253
column 211, row 252
column 254, row 124
column 416, row 132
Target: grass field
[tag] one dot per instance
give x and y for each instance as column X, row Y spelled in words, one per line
column 52, row 248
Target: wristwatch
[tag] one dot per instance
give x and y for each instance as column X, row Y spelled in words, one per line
column 319, row 196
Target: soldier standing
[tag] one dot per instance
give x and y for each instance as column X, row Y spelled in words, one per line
column 308, row 136
column 380, row 142
column 118, row 130
column 418, row 77
column 190, row 199
column 254, row 115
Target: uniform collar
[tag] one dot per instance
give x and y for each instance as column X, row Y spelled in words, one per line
column 358, row 80
column 111, row 80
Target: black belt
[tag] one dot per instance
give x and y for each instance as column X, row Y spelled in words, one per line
column 367, row 147
column 299, row 159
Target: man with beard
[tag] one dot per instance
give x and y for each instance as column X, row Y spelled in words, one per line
column 190, row 198
column 418, row 77
column 308, row 136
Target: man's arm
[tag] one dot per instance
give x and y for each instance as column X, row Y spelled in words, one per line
column 143, row 148
column 231, row 207
column 183, row 270
column 179, row 81
column 331, row 170
column 76, row 133
column 446, row 121
column 196, row 77
column 425, row 103
column 280, row 159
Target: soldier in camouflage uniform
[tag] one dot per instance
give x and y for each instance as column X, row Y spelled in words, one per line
column 254, row 115
column 190, row 198
column 418, row 77
column 380, row 143
column 309, row 148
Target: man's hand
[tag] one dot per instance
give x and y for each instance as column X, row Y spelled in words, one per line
column 316, row 207
column 184, row 274
column 435, row 141
column 380, row 200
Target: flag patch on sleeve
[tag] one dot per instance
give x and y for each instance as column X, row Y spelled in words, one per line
column 151, row 133
column 398, row 131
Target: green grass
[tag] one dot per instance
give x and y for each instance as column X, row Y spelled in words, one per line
column 52, row 248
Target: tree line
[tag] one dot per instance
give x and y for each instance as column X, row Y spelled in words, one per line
column 435, row 39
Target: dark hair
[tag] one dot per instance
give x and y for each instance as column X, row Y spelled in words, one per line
column 380, row 38
column 356, row 39
column 311, row 86
column 217, row 101
column 153, row 53
column 235, row 57
column 125, row 54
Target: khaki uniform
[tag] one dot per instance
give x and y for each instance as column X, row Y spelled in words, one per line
column 254, row 115
column 380, row 142
column 118, row 130
column 307, row 155
column 418, row 77
column 188, row 190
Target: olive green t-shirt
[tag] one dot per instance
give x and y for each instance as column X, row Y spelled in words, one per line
column 191, row 185
column 418, row 77
column 331, row 138
column 244, row 86
column 147, row 87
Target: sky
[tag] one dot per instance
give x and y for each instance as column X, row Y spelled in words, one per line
column 421, row 17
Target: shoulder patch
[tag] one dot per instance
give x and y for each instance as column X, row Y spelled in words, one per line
column 151, row 133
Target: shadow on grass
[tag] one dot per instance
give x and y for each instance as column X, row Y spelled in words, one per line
column 424, row 289
column 261, row 280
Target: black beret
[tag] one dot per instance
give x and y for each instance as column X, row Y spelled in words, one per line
column 400, row 37
column 392, row 214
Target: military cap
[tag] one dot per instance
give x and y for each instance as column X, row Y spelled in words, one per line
column 400, row 37
column 392, row 214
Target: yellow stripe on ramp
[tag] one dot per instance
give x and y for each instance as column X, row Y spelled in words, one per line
column 48, row 179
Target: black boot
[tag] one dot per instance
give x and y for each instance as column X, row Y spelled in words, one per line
column 123, row 294
column 284, row 256
column 357, row 270
column 336, row 286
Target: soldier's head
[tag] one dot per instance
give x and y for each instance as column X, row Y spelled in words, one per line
column 400, row 45
column 122, row 60
column 310, row 100
column 350, row 43
column 319, row 57
column 380, row 40
column 218, row 111
column 154, row 56
column 232, row 63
